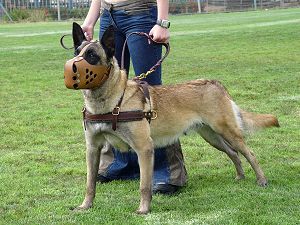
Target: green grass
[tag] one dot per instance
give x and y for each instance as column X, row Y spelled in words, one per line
column 42, row 151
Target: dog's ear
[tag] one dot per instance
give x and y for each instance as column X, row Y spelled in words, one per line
column 78, row 35
column 108, row 42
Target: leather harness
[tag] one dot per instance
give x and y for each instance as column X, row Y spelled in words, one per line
column 116, row 116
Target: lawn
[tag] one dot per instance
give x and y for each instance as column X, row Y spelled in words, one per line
column 42, row 149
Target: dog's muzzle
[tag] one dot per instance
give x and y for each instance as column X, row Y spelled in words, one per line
column 79, row 74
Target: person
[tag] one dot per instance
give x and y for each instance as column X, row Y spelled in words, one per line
column 149, row 16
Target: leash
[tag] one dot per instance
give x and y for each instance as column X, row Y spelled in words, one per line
column 150, row 39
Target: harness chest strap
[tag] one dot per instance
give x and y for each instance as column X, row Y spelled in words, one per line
column 116, row 116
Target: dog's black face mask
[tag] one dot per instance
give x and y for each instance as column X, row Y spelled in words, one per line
column 91, row 56
column 90, row 68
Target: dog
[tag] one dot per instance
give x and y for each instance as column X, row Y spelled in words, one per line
column 201, row 105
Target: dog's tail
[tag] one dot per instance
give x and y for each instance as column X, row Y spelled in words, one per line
column 253, row 122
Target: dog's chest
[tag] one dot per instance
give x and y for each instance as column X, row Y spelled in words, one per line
column 103, row 130
column 116, row 142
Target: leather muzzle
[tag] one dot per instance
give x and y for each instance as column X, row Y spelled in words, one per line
column 79, row 74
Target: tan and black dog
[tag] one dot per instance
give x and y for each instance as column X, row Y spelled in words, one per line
column 200, row 105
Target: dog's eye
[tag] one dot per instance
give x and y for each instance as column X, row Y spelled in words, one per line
column 91, row 54
column 92, row 57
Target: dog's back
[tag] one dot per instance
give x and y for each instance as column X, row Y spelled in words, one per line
column 185, row 106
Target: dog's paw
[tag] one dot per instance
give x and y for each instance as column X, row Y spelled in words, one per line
column 142, row 211
column 262, row 182
column 80, row 208
column 240, row 177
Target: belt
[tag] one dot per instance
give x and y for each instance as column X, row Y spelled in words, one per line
column 129, row 6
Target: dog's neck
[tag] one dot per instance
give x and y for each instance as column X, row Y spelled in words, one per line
column 105, row 98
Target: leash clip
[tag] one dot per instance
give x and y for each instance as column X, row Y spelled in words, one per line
column 145, row 75
column 141, row 76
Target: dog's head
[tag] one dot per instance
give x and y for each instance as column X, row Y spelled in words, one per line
column 90, row 67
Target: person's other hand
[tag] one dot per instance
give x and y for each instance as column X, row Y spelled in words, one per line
column 88, row 31
column 160, row 34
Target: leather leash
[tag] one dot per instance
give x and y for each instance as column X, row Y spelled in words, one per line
column 150, row 39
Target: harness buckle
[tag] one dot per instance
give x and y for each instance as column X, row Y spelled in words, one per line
column 116, row 111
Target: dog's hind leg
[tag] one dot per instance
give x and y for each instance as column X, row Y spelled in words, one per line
column 234, row 138
column 219, row 143
column 240, row 145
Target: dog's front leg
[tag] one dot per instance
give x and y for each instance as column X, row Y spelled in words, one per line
column 93, row 149
column 145, row 152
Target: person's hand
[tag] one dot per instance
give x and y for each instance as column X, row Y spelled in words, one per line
column 160, row 34
column 88, row 31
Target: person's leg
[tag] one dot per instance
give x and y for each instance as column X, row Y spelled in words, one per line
column 115, row 164
column 169, row 169
column 107, row 18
